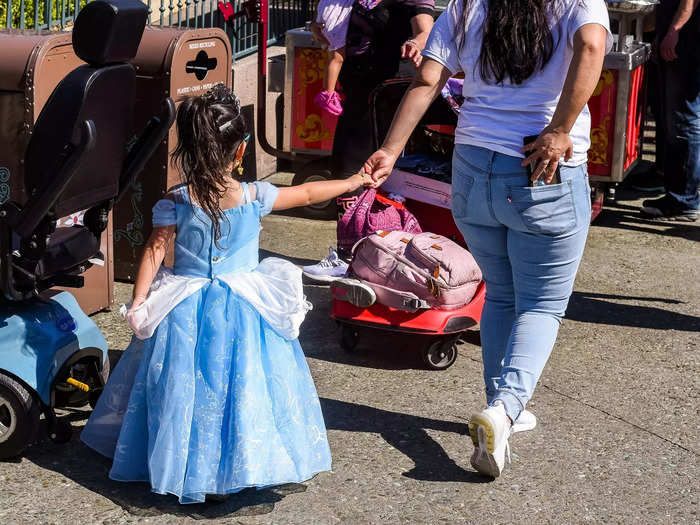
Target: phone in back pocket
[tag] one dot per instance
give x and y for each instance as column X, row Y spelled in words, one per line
column 531, row 167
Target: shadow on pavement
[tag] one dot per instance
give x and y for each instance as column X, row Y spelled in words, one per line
column 407, row 434
column 594, row 308
column 82, row 465
column 627, row 217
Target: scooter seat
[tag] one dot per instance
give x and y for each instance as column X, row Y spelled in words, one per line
column 68, row 248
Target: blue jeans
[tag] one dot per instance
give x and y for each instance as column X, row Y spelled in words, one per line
column 528, row 243
column 680, row 119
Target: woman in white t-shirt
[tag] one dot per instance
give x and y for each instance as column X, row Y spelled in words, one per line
column 530, row 67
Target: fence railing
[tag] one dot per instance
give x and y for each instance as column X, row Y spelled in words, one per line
column 56, row 15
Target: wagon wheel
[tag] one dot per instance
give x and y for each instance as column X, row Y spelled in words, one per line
column 349, row 337
column 441, row 353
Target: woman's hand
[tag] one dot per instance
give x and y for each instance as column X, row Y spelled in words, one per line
column 317, row 33
column 379, row 166
column 668, row 45
column 546, row 151
column 411, row 49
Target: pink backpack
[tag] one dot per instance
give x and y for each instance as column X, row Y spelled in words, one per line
column 414, row 271
column 371, row 213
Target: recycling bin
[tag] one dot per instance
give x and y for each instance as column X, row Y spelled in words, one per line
column 172, row 63
column 32, row 65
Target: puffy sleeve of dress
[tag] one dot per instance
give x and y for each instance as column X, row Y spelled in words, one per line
column 164, row 213
column 266, row 195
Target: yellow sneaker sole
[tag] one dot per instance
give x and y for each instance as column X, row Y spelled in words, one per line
column 480, row 421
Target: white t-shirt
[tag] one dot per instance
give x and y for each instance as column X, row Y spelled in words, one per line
column 498, row 117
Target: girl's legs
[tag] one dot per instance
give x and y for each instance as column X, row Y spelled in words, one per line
column 328, row 99
column 335, row 63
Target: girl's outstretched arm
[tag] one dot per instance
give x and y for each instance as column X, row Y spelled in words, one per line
column 313, row 192
column 151, row 259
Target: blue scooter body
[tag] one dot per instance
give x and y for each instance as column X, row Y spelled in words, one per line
column 38, row 336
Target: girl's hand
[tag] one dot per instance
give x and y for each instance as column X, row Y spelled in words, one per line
column 379, row 166
column 411, row 49
column 359, row 180
column 138, row 301
column 317, row 33
column 546, row 151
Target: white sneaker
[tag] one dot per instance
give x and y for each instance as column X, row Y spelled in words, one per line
column 489, row 430
column 526, row 421
column 354, row 292
column 328, row 269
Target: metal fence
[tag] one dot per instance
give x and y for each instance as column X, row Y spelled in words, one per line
column 56, row 15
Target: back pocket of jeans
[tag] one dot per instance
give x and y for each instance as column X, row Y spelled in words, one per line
column 547, row 210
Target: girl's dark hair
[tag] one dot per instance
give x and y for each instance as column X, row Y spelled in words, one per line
column 209, row 130
column 517, row 39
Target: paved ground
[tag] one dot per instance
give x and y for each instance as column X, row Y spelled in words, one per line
column 618, row 436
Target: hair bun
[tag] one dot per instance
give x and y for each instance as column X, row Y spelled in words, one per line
column 222, row 94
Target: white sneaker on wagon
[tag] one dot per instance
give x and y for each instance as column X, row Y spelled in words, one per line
column 326, row 270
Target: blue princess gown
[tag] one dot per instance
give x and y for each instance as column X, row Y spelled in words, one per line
column 214, row 394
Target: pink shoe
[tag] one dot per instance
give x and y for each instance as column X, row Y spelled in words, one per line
column 329, row 101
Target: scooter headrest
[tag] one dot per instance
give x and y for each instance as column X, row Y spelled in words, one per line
column 109, row 31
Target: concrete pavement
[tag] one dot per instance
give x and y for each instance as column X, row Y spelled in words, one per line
column 617, row 440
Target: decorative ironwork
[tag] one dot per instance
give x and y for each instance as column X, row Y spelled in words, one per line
column 60, row 14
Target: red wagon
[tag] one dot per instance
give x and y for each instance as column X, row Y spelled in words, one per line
column 429, row 200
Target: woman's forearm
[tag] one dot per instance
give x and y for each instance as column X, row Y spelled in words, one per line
column 421, row 26
column 425, row 87
column 683, row 14
column 582, row 77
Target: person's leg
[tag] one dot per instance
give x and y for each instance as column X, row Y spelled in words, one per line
column 680, row 86
column 687, row 125
column 487, row 241
column 335, row 63
column 544, row 264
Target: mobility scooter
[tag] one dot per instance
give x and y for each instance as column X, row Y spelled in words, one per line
column 79, row 157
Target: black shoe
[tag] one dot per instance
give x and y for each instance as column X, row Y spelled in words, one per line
column 647, row 181
column 667, row 208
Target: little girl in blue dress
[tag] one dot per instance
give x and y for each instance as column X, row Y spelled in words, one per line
column 214, row 394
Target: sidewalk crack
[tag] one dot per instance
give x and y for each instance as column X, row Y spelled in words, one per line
column 609, row 414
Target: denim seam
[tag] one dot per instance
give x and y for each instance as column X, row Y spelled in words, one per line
column 472, row 166
column 499, row 392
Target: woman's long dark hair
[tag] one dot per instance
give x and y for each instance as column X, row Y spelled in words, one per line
column 209, row 130
column 517, row 39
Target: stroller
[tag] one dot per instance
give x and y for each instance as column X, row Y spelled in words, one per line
column 428, row 198
column 51, row 354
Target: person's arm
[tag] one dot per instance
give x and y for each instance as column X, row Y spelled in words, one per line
column 683, row 13
column 151, row 259
column 581, row 80
column 421, row 25
column 314, row 192
column 425, row 87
